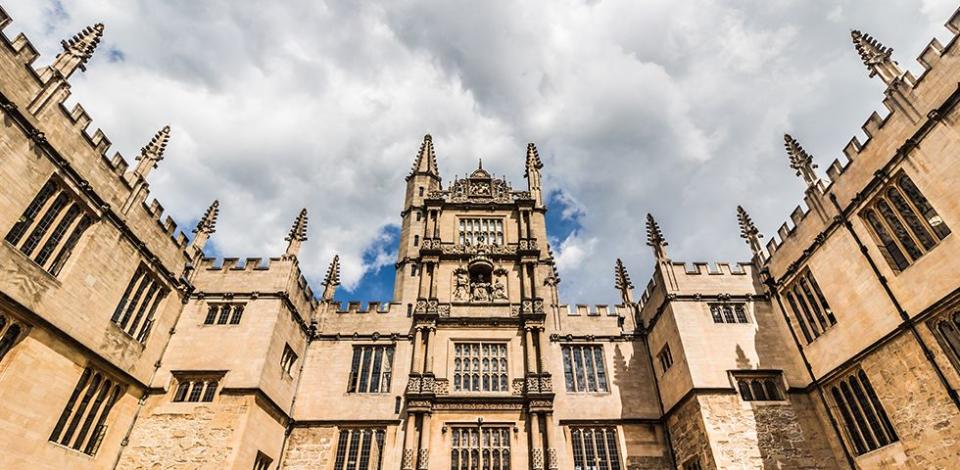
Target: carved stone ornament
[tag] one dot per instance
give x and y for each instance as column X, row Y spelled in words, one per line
column 552, row 459
column 537, row 458
column 423, row 459
column 407, row 463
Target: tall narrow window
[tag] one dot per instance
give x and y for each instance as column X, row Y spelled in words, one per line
column 665, row 358
column 262, row 462
column 359, row 449
column 595, row 448
column 371, row 369
column 50, row 226
column 904, row 223
column 224, row 314
column 82, row 424
column 865, row 421
column 474, row 448
column 809, row 306
column 947, row 329
column 135, row 312
column 584, row 369
column 759, row 386
column 10, row 333
column 198, row 388
column 287, row 359
column 480, row 367
column 481, row 232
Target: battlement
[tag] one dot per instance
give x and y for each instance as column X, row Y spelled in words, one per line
column 597, row 310
column 370, row 307
column 910, row 101
column 257, row 274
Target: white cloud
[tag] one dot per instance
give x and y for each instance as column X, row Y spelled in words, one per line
column 674, row 108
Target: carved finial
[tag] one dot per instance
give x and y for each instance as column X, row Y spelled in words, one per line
column 208, row 223
column 622, row 282
column 532, row 173
column 749, row 232
column 332, row 280
column 876, row 57
column 78, row 50
column 298, row 234
column 533, row 158
column 426, row 161
column 206, row 227
column 800, row 161
column 655, row 238
column 152, row 152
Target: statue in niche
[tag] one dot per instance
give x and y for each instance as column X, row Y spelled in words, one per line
column 499, row 290
column 480, row 287
column 461, row 288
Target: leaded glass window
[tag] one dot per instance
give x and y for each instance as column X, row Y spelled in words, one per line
column 480, row 367
column 595, row 448
column 729, row 313
column 371, row 369
column 865, row 421
column 475, row 448
column 584, row 369
column 481, row 231
column 359, row 449
column 809, row 306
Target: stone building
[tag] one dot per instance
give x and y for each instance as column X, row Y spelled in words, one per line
column 122, row 346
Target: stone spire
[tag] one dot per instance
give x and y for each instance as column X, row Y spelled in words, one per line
column 801, row 161
column 876, row 57
column 332, row 280
column 78, row 50
column 206, row 226
column 532, row 173
column 655, row 238
column 152, row 153
column 426, row 162
column 297, row 235
column 749, row 232
column 622, row 282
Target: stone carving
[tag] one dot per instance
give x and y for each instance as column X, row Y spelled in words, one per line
column 552, row 459
column 461, row 285
column 537, row 458
column 423, row 459
column 518, row 386
column 528, row 244
column 474, row 249
column 479, row 285
column 407, row 463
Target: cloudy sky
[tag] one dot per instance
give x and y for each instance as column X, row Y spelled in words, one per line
column 672, row 107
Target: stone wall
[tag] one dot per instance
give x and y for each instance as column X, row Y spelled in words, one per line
column 688, row 435
column 311, row 448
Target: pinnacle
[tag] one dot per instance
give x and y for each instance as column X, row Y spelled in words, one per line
column 747, row 228
column 654, row 235
column 83, row 43
column 299, row 230
column 333, row 272
column 426, row 161
column 157, row 145
column 533, row 158
column 621, row 276
column 871, row 50
column 208, row 222
column 800, row 160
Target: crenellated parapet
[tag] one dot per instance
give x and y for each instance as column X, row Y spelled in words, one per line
column 914, row 106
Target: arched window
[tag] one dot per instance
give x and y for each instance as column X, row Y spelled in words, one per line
column 890, row 249
column 745, row 393
column 756, row 387
column 773, row 393
column 9, row 334
column 865, row 421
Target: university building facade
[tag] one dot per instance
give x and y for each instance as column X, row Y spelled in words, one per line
column 122, row 346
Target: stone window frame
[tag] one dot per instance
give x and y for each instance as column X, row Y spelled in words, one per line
column 502, row 372
column 12, row 331
column 195, row 386
column 262, row 462
column 860, row 414
column 83, row 422
column 572, row 374
column 500, row 230
column 493, row 445
column 356, row 382
column 224, row 313
column 945, row 327
column 287, row 359
column 356, row 444
column 665, row 358
column 903, row 223
column 581, row 453
column 759, row 385
column 736, row 315
column 136, row 310
column 809, row 306
column 51, row 225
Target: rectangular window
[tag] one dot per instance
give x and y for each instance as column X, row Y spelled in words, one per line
column 809, row 306
column 10, row 333
column 946, row 328
column 481, row 232
column 371, row 369
column 224, row 314
column 584, row 369
column 595, row 448
column 287, row 359
column 262, row 462
column 904, row 224
column 196, row 388
column 82, row 424
column 135, row 311
column 729, row 313
column 759, row 386
column 474, row 448
column 665, row 358
column 50, row 226
column 359, row 449
column 480, row 367
column 864, row 419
